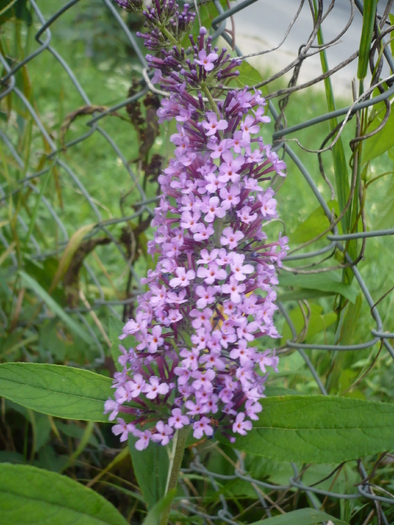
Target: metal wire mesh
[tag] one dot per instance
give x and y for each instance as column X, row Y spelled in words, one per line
column 269, row 495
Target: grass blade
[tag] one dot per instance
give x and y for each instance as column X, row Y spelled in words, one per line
column 366, row 37
column 338, row 152
column 30, row 283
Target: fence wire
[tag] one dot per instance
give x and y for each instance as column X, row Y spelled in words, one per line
column 269, row 495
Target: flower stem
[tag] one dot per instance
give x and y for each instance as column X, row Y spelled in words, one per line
column 176, row 457
column 207, row 93
column 170, row 37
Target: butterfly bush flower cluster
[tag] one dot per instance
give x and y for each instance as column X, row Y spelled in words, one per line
column 194, row 360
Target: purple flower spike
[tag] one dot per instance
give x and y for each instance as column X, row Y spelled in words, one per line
column 194, row 358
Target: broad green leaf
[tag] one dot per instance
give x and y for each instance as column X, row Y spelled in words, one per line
column 151, row 469
column 55, row 307
column 248, row 76
column 383, row 140
column 32, row 495
column 300, row 517
column 153, row 516
column 326, row 282
column 115, row 330
column 313, row 225
column 318, row 322
column 319, row 429
column 56, row 390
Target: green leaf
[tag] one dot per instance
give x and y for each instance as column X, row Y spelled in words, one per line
column 350, row 321
column 271, row 391
column 23, row 13
column 56, row 390
column 153, row 516
column 115, row 330
column 55, row 307
column 338, row 152
column 3, row 285
column 32, row 495
column 382, row 141
column 386, row 212
column 300, row 517
column 319, row 429
column 42, row 430
column 49, row 459
column 366, row 37
column 302, row 293
column 15, row 8
column 326, row 282
column 318, row 322
column 43, row 273
column 248, row 76
column 8, row 456
column 118, row 488
column 74, row 431
column 207, row 13
column 313, row 225
column 69, row 252
column 151, row 469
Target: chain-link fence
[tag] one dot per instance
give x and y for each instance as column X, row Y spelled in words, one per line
column 118, row 236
